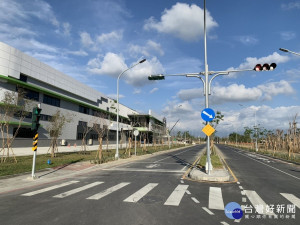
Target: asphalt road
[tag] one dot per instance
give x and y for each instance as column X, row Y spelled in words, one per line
column 151, row 191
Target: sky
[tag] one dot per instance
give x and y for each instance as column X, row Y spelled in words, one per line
column 93, row 41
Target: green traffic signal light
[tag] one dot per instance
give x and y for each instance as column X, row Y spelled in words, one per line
column 156, row 77
column 36, row 114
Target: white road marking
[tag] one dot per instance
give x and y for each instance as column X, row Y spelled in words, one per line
column 238, row 182
column 243, row 193
column 241, row 187
column 270, row 166
column 195, row 200
column 256, row 200
column 292, row 198
column 141, row 193
column 187, row 191
column 50, row 188
column 215, row 200
column 237, row 221
column 176, row 196
column 244, row 199
column 152, row 166
column 108, row 191
column 182, row 181
column 208, row 211
column 68, row 193
column 224, row 223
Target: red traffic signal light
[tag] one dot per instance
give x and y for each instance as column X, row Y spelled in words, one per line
column 265, row 67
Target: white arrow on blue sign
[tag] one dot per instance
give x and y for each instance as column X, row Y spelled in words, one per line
column 208, row 114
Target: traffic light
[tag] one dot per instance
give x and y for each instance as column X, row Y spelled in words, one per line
column 265, row 67
column 36, row 114
column 156, row 77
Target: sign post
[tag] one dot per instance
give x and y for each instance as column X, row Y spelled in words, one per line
column 135, row 133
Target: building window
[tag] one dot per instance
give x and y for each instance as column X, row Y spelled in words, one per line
column 82, row 123
column 51, row 100
column 23, row 132
column 104, row 99
column 84, row 110
column 32, row 95
column 94, row 136
column 23, row 77
column 45, row 117
column 79, row 136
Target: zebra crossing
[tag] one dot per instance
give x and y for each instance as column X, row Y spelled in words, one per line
column 215, row 195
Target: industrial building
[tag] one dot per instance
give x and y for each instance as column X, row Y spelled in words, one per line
column 54, row 90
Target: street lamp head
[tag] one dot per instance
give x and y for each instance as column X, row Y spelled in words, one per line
column 143, row 60
column 283, row 49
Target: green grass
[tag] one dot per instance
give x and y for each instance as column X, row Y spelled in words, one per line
column 24, row 163
column 215, row 161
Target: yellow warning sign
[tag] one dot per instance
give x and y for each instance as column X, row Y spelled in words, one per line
column 208, row 130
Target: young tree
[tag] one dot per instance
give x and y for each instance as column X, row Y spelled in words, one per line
column 13, row 109
column 57, row 123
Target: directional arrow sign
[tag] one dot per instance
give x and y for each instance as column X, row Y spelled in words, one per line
column 208, row 114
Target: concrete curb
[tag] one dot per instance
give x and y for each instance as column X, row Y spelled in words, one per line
column 216, row 175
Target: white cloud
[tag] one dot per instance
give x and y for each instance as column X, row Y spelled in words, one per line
column 137, row 91
column 153, row 90
column 291, row 5
column 240, row 93
column 86, row 40
column 183, row 21
column 78, row 53
column 149, row 49
column 247, row 40
column 111, row 64
column 114, row 35
column 287, row 35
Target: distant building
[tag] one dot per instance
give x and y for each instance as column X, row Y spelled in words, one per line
column 55, row 90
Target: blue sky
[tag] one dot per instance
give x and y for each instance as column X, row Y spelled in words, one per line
column 93, row 41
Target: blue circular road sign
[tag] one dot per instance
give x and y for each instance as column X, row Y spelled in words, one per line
column 208, row 114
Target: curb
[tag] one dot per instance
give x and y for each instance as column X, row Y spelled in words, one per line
column 217, row 175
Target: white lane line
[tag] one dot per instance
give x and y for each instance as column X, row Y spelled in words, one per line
column 238, row 182
column 244, row 199
column 269, row 166
column 256, row 200
column 292, row 198
column 71, row 192
column 144, row 170
column 141, row 193
column 224, row 223
column 195, row 200
column 108, row 191
column 241, row 187
column 208, row 211
column 215, row 200
column 187, row 191
column 50, row 188
column 237, row 221
column 182, row 181
column 183, row 168
column 243, row 193
column 176, row 196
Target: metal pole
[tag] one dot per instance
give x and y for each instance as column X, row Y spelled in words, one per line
column 206, row 90
column 33, row 165
column 256, row 148
column 135, row 145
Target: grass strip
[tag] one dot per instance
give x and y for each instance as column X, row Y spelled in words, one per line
column 215, row 161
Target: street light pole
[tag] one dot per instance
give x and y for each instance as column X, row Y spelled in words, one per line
column 286, row 50
column 117, row 148
column 208, row 162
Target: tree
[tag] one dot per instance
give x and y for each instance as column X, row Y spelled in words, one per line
column 13, row 109
column 55, row 128
column 100, row 127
